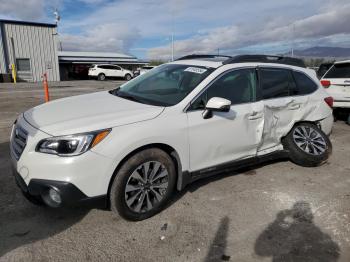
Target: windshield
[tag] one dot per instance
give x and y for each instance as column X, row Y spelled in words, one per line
column 165, row 85
column 339, row 71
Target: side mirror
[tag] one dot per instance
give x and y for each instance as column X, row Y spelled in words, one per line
column 216, row 104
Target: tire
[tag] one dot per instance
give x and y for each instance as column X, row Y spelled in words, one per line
column 142, row 200
column 101, row 77
column 300, row 143
column 128, row 77
column 348, row 120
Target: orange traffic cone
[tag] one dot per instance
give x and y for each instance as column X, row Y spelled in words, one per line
column 46, row 88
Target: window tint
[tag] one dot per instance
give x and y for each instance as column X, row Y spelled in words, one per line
column 238, row 86
column 23, row 64
column 275, row 82
column 106, row 67
column 116, row 68
column 339, row 71
column 304, row 85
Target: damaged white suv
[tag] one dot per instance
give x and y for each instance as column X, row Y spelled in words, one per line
column 130, row 148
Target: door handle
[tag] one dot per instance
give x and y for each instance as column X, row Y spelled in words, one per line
column 255, row 115
column 294, row 106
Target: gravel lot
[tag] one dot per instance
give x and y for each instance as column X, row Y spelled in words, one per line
column 277, row 211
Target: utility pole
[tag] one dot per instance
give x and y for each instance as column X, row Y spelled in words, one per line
column 172, row 35
column 293, row 38
column 172, row 46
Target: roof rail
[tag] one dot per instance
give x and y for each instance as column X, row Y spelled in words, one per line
column 266, row 59
column 194, row 56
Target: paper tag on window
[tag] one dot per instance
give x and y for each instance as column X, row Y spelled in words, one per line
column 196, row 70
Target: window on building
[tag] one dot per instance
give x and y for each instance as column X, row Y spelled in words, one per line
column 23, row 64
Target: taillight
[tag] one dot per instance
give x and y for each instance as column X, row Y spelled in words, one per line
column 325, row 83
column 329, row 101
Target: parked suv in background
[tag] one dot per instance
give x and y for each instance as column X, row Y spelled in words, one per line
column 337, row 83
column 323, row 68
column 142, row 70
column 101, row 72
column 131, row 147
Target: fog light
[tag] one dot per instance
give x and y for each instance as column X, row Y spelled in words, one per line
column 54, row 196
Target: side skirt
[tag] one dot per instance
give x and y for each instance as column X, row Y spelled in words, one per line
column 189, row 177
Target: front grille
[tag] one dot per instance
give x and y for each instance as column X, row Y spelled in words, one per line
column 18, row 141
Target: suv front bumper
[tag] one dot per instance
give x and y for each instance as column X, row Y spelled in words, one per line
column 69, row 194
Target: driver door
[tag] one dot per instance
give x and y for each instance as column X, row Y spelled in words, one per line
column 226, row 136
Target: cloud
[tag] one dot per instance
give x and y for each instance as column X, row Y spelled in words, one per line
column 107, row 37
column 331, row 22
column 26, row 10
column 92, row 2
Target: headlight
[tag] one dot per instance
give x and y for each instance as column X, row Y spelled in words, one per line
column 71, row 145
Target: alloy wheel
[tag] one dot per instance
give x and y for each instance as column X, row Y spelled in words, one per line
column 309, row 140
column 146, row 186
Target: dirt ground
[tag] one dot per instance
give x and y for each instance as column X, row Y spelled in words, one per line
column 273, row 212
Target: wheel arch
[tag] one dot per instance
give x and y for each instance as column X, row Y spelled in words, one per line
column 166, row 148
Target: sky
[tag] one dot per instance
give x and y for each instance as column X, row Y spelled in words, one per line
column 144, row 27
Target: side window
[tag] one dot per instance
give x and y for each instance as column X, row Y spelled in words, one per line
column 238, row 86
column 275, row 82
column 103, row 66
column 304, row 85
column 116, row 68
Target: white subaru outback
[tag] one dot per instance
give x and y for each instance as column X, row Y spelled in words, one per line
column 130, row 148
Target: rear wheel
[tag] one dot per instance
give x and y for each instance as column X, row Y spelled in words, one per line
column 101, row 77
column 307, row 145
column 127, row 77
column 143, row 185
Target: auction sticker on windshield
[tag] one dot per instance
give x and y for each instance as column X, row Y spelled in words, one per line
column 196, row 70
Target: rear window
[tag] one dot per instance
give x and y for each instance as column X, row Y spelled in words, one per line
column 339, row 71
column 304, row 85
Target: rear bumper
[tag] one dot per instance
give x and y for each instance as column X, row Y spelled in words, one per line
column 341, row 104
column 69, row 193
column 327, row 124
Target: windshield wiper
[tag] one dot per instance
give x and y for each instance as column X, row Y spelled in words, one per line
column 121, row 94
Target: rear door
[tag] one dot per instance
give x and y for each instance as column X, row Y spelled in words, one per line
column 339, row 89
column 106, row 70
column 280, row 108
column 116, row 71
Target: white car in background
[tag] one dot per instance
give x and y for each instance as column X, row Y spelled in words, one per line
column 102, row 72
column 337, row 84
column 131, row 147
column 142, row 70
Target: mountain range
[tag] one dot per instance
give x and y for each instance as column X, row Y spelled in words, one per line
column 323, row 51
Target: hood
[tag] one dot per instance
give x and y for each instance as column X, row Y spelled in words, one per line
column 83, row 113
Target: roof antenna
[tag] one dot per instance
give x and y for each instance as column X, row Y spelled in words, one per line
column 57, row 16
column 57, row 19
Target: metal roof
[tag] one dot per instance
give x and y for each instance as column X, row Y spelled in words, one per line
column 84, row 55
column 5, row 21
column 97, row 58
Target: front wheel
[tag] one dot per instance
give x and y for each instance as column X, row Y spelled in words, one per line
column 143, row 185
column 307, row 145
